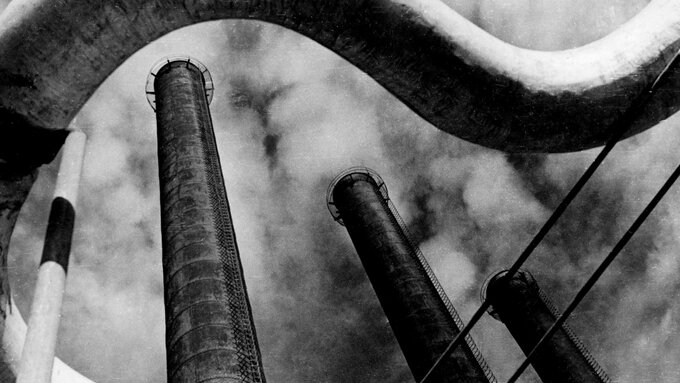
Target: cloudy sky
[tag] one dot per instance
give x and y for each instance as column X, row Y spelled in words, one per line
column 289, row 115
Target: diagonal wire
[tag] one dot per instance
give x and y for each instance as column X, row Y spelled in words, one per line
column 599, row 271
column 618, row 130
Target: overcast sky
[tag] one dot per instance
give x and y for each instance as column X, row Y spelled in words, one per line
column 289, row 115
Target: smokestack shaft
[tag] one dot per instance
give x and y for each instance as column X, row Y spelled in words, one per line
column 420, row 319
column 210, row 333
column 528, row 314
column 37, row 357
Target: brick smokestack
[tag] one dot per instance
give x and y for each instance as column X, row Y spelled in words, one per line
column 210, row 334
column 528, row 314
column 422, row 318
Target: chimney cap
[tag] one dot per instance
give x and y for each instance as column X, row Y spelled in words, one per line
column 367, row 174
column 521, row 275
column 207, row 78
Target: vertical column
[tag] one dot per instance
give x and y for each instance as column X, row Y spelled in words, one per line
column 37, row 357
column 210, row 335
column 421, row 317
column 528, row 314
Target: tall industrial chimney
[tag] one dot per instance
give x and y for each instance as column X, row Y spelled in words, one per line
column 422, row 318
column 210, row 335
column 528, row 314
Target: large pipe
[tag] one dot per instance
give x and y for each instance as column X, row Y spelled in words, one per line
column 421, row 316
column 43, row 324
column 528, row 314
column 210, row 335
column 456, row 76
column 13, row 339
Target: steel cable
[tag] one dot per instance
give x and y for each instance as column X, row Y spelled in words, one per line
column 618, row 130
column 599, row 271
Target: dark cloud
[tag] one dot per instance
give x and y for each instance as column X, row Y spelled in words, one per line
column 271, row 142
column 249, row 96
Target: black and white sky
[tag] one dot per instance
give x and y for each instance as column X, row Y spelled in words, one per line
column 289, row 115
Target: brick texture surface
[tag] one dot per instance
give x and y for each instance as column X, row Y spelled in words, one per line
column 210, row 334
column 418, row 316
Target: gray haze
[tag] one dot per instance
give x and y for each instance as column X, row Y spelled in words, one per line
column 289, row 115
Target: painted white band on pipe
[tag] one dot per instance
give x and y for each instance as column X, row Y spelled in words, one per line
column 37, row 357
column 13, row 339
column 70, row 167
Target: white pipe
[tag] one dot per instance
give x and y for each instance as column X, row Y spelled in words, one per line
column 38, row 353
column 70, row 167
column 13, row 339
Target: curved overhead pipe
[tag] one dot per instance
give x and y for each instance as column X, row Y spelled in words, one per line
column 54, row 54
column 456, row 76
